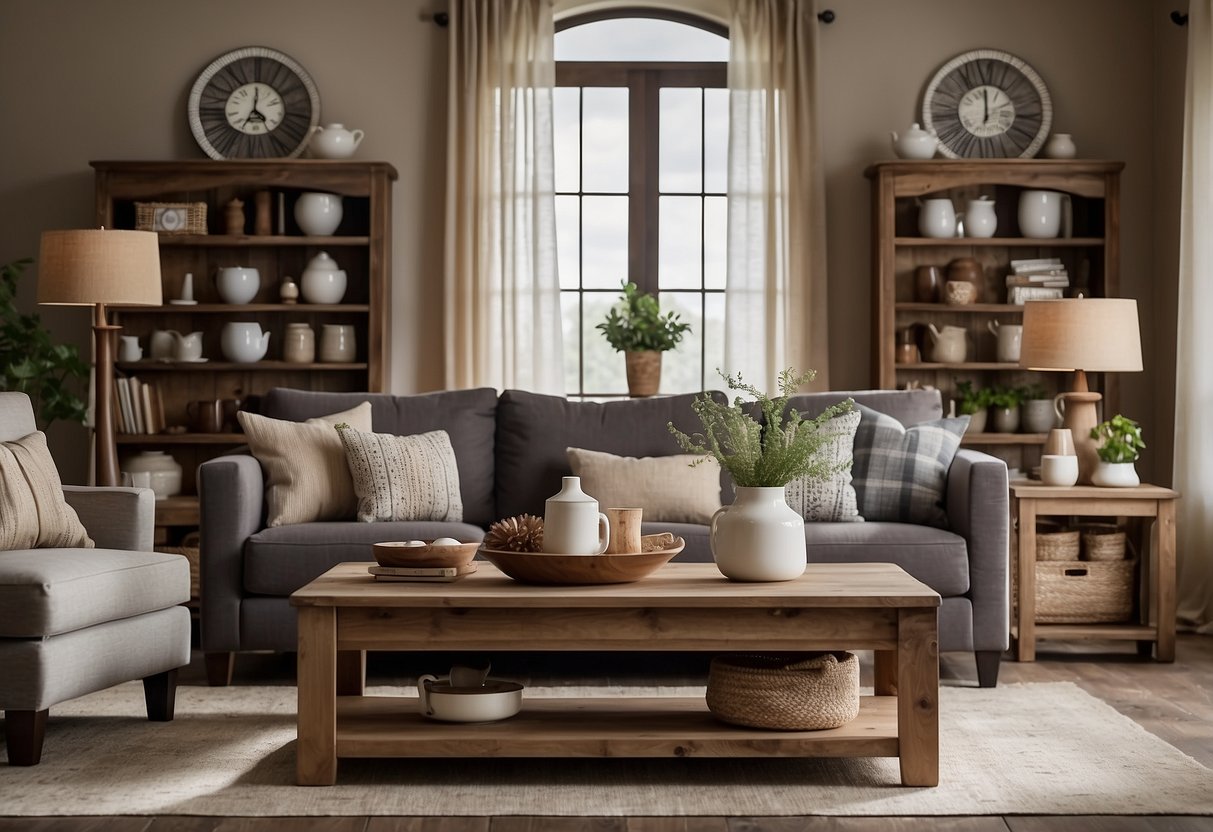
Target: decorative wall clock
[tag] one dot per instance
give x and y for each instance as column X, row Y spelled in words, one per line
column 987, row 104
column 253, row 103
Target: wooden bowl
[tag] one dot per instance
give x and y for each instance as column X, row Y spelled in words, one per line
column 553, row 569
column 429, row 555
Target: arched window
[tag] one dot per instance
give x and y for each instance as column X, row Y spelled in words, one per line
column 641, row 133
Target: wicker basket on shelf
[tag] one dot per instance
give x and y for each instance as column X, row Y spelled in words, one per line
column 1057, row 544
column 171, row 217
column 1084, row 592
column 808, row 693
column 1103, row 543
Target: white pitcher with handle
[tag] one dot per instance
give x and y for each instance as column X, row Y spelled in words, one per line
column 1010, row 339
column 572, row 523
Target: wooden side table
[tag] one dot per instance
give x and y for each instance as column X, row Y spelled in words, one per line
column 1153, row 507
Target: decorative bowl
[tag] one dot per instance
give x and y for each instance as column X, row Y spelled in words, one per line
column 495, row 699
column 400, row 553
column 544, row 568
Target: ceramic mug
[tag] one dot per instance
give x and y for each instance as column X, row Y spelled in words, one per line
column 129, row 349
column 625, row 530
column 1059, row 469
column 205, row 416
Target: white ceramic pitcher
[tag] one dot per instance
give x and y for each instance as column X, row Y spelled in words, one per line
column 572, row 523
column 1010, row 339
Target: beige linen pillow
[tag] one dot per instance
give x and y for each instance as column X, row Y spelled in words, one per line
column 33, row 513
column 666, row 487
column 306, row 475
column 403, row 477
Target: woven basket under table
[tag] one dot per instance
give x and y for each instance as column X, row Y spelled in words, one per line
column 1084, row 592
column 1103, row 543
column 1057, row 545
column 820, row 690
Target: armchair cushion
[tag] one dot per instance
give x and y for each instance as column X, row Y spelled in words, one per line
column 33, row 512
column 115, row 518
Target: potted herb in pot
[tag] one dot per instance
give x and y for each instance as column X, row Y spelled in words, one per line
column 973, row 403
column 760, row 537
column 636, row 327
column 1006, row 402
column 1120, row 444
column 1037, row 414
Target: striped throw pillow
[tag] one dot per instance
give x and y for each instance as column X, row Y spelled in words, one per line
column 403, row 477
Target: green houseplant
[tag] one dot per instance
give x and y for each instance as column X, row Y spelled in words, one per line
column 636, row 327
column 759, row 537
column 1120, row 444
column 1006, row 402
column 30, row 362
column 1037, row 413
column 974, row 403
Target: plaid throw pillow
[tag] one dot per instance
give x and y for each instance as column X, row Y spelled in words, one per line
column 900, row 474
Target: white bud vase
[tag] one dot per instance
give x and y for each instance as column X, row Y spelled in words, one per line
column 759, row 537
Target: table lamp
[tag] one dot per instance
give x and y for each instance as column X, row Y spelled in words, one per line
column 1081, row 335
column 95, row 268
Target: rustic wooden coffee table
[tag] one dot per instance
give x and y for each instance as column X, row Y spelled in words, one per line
column 872, row 606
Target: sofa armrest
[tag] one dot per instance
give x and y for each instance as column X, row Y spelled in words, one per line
column 979, row 510
column 230, row 497
column 115, row 518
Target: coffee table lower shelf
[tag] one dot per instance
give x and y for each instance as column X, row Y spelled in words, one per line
column 379, row 726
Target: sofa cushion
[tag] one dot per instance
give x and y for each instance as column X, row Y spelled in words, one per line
column 669, row 488
column 830, row 499
column 279, row 561
column 307, row 477
column 934, row 556
column 901, row 474
column 45, row 592
column 403, row 477
column 33, row 511
column 534, row 432
column 468, row 416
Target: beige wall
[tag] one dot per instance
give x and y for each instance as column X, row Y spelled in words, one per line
column 80, row 80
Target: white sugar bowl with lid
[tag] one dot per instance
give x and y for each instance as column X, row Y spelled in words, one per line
column 164, row 472
column 322, row 280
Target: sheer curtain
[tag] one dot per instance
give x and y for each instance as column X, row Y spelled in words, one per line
column 775, row 298
column 1193, row 382
column 502, row 292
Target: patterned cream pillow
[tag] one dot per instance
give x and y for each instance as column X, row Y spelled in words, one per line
column 832, row 499
column 666, row 487
column 403, row 477
column 306, row 475
column 33, row 513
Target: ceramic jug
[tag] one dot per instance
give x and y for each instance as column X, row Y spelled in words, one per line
column 915, row 144
column 937, row 218
column 948, row 345
column 237, row 284
column 1009, row 339
column 1041, row 213
column 129, row 349
column 979, row 218
column 572, row 523
column 759, row 537
column 186, row 347
column 334, row 141
column 1060, row 146
column 243, row 342
column 322, row 280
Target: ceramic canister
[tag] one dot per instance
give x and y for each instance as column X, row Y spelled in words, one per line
column 299, row 344
column 337, row 344
column 572, row 523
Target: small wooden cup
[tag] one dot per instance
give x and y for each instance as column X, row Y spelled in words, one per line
column 625, row 530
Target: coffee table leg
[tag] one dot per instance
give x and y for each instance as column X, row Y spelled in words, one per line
column 918, row 696
column 885, row 672
column 316, row 749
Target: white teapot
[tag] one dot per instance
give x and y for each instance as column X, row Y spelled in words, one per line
column 186, row 347
column 334, row 141
column 915, row 144
column 244, row 343
column 948, row 345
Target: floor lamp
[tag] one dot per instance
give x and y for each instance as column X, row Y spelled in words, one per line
column 98, row 268
column 1083, row 335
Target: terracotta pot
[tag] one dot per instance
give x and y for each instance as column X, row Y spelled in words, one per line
column 644, row 373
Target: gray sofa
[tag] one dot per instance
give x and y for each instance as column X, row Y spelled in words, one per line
column 511, row 455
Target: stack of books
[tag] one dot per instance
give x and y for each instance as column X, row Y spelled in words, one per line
column 1044, row 278
column 138, row 406
column 421, row 573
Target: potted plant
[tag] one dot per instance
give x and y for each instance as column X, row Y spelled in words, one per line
column 1006, row 402
column 973, row 403
column 30, row 362
column 1037, row 414
column 759, row 537
column 636, row 327
column 1120, row 444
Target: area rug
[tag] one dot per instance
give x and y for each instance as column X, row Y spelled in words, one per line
column 1017, row 749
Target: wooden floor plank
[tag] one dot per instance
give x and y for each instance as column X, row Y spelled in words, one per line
column 428, row 825
column 550, row 824
column 1103, row 823
column 80, row 824
column 199, row 824
column 873, row 824
column 677, row 825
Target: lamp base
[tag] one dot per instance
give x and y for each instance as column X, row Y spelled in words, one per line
column 1079, row 414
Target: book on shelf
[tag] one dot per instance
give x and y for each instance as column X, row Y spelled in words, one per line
column 421, row 573
column 1038, row 264
column 1058, row 282
column 139, row 406
column 1018, row 295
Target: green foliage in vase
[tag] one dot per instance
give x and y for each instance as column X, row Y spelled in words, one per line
column 1119, row 439
column 635, row 323
column 1007, row 397
column 970, row 401
column 33, row 364
column 1033, row 392
column 754, row 457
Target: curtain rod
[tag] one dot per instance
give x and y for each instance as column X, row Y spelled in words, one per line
column 827, row 16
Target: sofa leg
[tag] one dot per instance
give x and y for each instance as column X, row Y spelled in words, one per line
column 219, row 668
column 23, row 733
column 988, row 662
column 160, row 695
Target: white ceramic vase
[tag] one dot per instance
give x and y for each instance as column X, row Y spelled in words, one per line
column 1115, row 475
column 759, row 537
column 164, row 472
column 237, row 284
column 937, row 218
column 322, row 280
column 572, row 523
column 317, row 213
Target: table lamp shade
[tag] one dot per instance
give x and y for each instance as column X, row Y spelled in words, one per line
column 1091, row 334
column 86, row 267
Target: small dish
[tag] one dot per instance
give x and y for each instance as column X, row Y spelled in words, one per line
column 556, row 570
column 495, row 699
column 182, row 302
column 400, row 553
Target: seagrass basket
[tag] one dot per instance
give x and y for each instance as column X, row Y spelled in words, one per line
column 1057, row 545
column 806, row 693
column 171, row 217
column 1103, row 543
column 1085, row 592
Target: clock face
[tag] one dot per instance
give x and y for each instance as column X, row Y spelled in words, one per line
column 987, row 104
column 253, row 103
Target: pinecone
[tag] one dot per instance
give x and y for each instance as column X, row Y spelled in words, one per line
column 523, row 533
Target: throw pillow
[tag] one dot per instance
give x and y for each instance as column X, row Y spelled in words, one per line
column 831, row 499
column 33, row 512
column 899, row 474
column 666, row 487
column 307, row 478
column 403, row 477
